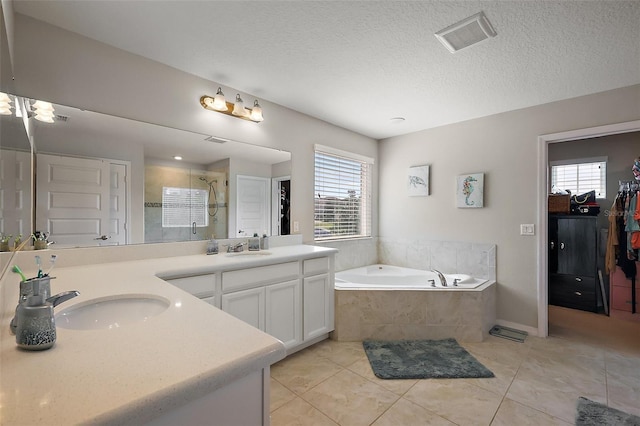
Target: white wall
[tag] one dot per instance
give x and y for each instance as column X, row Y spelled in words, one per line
column 505, row 148
column 63, row 67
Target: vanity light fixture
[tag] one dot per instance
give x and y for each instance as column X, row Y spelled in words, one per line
column 177, row 157
column 218, row 103
column 43, row 111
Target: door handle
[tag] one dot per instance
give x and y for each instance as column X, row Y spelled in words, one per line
column 561, row 246
column 193, row 228
column 102, row 237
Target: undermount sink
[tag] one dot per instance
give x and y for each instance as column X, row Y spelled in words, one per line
column 111, row 312
column 250, row 253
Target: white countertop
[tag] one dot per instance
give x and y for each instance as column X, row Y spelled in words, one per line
column 133, row 373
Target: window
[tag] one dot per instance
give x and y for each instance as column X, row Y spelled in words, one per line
column 183, row 206
column 580, row 176
column 342, row 194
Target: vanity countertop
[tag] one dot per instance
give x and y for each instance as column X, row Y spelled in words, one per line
column 134, row 372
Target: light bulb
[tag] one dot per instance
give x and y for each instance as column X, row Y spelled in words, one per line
column 256, row 112
column 42, row 105
column 219, row 102
column 5, row 98
column 44, row 118
column 5, row 111
column 238, row 108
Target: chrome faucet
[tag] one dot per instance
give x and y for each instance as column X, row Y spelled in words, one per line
column 441, row 277
column 235, row 248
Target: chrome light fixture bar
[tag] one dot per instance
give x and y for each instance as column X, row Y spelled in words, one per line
column 218, row 103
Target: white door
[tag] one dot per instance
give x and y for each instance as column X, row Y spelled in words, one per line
column 318, row 316
column 15, row 193
column 247, row 305
column 118, row 205
column 73, row 202
column 284, row 312
column 252, row 205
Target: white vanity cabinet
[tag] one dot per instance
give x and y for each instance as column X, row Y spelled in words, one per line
column 247, row 305
column 283, row 312
column 318, row 303
column 292, row 301
column 267, row 297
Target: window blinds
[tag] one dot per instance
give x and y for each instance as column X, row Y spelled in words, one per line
column 342, row 194
column 580, row 178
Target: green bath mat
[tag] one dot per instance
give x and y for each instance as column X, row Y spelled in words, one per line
column 422, row 359
column 591, row 413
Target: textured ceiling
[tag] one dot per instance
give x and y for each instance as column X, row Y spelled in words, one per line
column 357, row 64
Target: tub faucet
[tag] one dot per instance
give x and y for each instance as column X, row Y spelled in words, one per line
column 441, row 277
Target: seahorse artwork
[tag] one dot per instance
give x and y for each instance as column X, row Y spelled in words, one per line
column 467, row 189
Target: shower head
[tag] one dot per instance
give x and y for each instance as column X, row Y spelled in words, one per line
column 208, row 182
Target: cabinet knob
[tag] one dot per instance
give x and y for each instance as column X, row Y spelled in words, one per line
column 579, row 279
column 553, row 245
column 577, row 293
column 561, row 246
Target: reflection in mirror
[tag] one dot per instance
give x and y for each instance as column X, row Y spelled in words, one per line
column 15, row 177
column 85, row 157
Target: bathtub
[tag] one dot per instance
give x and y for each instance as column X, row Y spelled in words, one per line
column 385, row 302
column 387, row 277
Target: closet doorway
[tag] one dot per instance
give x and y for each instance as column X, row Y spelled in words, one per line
column 543, row 214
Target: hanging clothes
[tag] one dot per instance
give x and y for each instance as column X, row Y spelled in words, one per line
column 627, row 264
column 612, row 238
column 634, row 227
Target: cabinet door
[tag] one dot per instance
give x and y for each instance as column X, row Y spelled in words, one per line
column 318, row 306
column 247, row 305
column 577, row 246
column 284, row 312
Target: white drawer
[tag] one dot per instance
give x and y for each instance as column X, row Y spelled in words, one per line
column 319, row 265
column 252, row 277
column 198, row 285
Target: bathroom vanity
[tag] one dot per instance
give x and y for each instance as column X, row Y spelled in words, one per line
column 189, row 364
column 291, row 300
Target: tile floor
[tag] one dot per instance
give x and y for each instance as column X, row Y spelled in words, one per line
column 537, row 382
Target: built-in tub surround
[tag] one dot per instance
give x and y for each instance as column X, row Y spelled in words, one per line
column 466, row 314
column 475, row 259
column 353, row 253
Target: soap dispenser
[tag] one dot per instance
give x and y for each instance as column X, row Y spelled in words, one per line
column 35, row 323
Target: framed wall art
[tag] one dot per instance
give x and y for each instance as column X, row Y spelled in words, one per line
column 418, row 182
column 470, row 191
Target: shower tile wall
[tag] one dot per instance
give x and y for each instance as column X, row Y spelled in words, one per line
column 474, row 259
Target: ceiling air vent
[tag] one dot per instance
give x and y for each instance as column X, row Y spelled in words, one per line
column 216, row 140
column 62, row 118
column 467, row 32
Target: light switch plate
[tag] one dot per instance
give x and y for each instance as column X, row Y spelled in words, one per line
column 296, row 226
column 527, row 229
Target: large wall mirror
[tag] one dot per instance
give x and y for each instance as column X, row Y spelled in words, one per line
column 16, row 185
column 106, row 180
